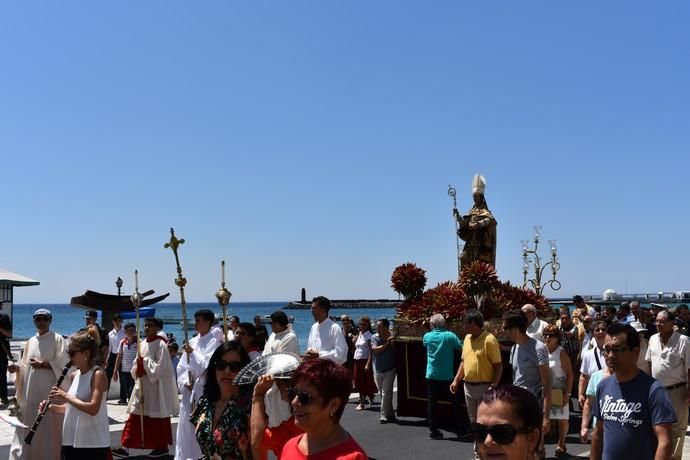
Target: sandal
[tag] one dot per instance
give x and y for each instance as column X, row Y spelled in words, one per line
column 560, row 452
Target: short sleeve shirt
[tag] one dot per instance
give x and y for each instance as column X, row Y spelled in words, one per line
column 478, row 357
column 385, row 359
column 525, row 360
column 441, row 346
column 592, row 385
column 670, row 364
column 590, row 364
column 629, row 412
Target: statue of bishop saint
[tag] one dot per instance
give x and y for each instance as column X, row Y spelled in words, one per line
column 477, row 228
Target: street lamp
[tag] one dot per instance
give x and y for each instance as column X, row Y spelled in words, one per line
column 118, row 283
column 531, row 257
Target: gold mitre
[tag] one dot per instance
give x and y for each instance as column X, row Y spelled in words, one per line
column 478, row 184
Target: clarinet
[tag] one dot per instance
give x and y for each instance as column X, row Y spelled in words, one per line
column 42, row 412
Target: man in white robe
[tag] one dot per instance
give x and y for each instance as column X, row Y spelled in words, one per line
column 199, row 351
column 43, row 360
column 155, row 376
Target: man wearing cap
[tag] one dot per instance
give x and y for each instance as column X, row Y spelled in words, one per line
column 42, row 362
column 668, row 353
column 90, row 318
column 644, row 345
column 115, row 336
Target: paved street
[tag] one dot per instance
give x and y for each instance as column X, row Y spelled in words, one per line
column 407, row 439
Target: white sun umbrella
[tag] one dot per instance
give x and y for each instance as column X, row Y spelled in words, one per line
column 278, row 365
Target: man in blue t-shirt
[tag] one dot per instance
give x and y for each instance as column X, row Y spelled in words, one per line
column 634, row 413
column 441, row 348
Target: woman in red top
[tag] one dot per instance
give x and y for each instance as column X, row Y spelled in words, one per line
column 319, row 393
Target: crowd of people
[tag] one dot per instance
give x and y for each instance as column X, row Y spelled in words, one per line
column 294, row 415
column 627, row 370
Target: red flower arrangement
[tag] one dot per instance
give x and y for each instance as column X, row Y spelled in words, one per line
column 479, row 287
column 446, row 298
column 408, row 280
column 479, row 278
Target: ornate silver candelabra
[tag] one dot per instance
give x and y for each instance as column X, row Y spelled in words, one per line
column 530, row 258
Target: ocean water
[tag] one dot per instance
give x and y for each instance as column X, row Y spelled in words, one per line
column 68, row 319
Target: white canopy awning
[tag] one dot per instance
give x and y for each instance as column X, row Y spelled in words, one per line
column 7, row 278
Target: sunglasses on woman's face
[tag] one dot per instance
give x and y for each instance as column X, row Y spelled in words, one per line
column 71, row 353
column 234, row 366
column 501, row 433
column 303, row 397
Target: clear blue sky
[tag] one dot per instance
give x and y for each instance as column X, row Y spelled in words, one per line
column 310, row 144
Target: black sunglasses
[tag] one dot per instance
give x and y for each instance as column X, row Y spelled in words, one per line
column 303, row 397
column 41, row 318
column 501, row 433
column 234, row 366
column 71, row 353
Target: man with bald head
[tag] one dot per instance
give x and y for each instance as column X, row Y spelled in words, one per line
column 535, row 326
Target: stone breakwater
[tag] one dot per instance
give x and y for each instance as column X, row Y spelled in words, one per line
column 347, row 304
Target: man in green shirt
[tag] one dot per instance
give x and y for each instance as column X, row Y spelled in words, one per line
column 441, row 348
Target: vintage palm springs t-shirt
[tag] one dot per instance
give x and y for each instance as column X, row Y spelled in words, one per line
column 629, row 411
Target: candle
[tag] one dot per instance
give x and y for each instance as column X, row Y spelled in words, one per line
column 136, row 280
column 222, row 271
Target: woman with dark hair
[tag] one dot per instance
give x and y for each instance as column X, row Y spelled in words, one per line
column 246, row 335
column 508, row 426
column 320, row 390
column 85, row 433
column 221, row 417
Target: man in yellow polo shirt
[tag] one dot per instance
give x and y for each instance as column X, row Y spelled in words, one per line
column 481, row 366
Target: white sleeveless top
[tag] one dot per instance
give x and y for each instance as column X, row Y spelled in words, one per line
column 555, row 365
column 80, row 429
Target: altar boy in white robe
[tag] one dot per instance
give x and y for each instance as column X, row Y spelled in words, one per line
column 155, row 376
column 43, row 360
column 200, row 349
